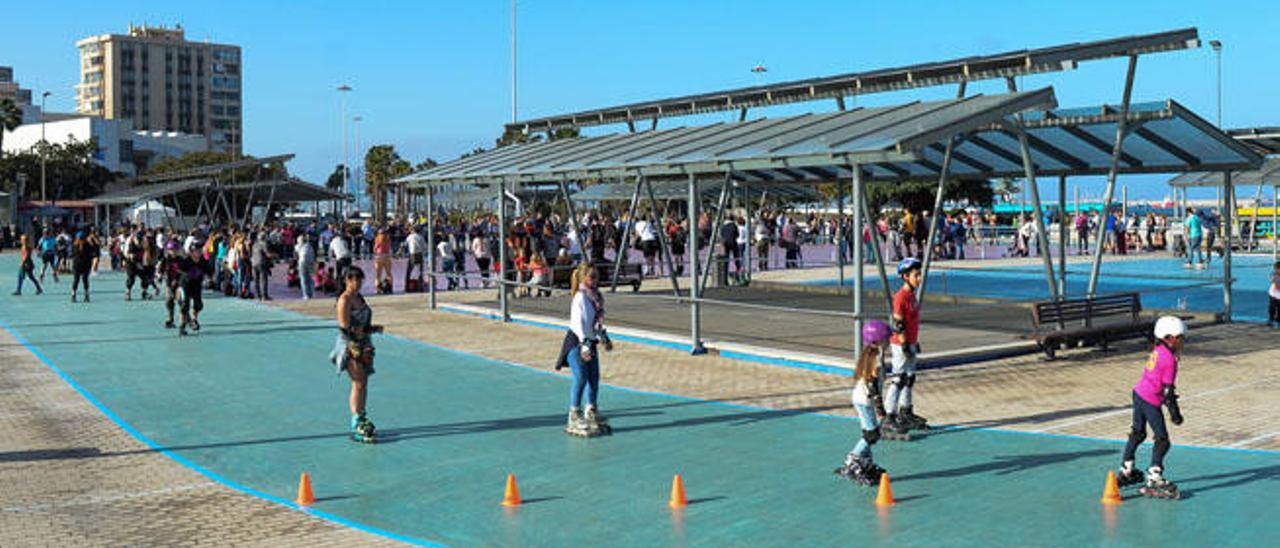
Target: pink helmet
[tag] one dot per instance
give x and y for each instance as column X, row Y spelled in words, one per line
column 875, row 332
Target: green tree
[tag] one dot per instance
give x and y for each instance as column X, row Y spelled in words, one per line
column 382, row 164
column 70, row 171
column 10, row 119
column 335, row 180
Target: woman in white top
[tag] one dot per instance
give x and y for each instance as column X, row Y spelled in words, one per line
column 480, row 249
column 587, row 327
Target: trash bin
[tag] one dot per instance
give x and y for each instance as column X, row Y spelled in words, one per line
column 722, row 271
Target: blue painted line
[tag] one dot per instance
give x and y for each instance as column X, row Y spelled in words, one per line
column 218, row 478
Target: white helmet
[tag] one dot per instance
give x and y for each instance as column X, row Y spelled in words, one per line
column 1170, row 326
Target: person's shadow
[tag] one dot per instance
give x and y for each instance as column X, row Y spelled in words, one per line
column 1007, row 464
column 1232, row 479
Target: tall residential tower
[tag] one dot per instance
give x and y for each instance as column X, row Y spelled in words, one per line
column 162, row 82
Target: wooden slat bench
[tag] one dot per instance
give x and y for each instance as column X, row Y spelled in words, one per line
column 1088, row 321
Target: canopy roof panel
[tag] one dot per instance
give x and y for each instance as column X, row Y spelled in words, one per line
column 865, row 135
column 135, row 194
column 1014, row 63
column 287, row 191
column 1263, row 140
column 679, row 190
column 1268, row 174
column 211, row 170
column 896, row 143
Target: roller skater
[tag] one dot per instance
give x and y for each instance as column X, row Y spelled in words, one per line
column 193, row 270
column 1155, row 388
column 858, row 465
column 904, row 348
column 353, row 351
column 579, row 351
column 171, row 271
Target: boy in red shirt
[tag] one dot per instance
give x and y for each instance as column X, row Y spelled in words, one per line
column 1154, row 389
column 904, row 346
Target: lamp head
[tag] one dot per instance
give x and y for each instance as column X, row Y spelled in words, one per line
column 1216, row 45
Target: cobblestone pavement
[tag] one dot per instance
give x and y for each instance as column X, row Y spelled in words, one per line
column 72, row 477
column 1227, row 377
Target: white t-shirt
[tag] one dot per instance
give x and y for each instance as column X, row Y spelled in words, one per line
column 417, row 244
column 644, row 229
column 338, row 249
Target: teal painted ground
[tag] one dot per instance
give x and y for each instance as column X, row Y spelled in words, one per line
column 1163, row 283
column 252, row 398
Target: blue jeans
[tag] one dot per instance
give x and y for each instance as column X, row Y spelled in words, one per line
column 1144, row 415
column 23, row 274
column 869, row 422
column 586, row 376
column 1193, row 251
column 307, row 276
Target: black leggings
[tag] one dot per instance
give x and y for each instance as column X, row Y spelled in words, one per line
column 1145, row 414
column 1273, row 313
column 79, row 276
column 192, row 301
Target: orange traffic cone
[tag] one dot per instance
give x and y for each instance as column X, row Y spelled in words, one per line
column 305, row 497
column 1111, row 492
column 678, row 500
column 512, row 495
column 885, row 496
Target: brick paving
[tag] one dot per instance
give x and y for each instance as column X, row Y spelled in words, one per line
column 71, row 477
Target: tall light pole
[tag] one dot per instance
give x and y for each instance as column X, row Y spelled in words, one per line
column 359, row 169
column 44, row 145
column 513, row 61
column 1217, row 52
column 346, row 159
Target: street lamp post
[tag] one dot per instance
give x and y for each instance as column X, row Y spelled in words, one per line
column 44, row 145
column 1217, row 52
column 358, row 171
column 346, row 159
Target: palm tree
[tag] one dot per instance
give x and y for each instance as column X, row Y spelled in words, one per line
column 1007, row 188
column 10, row 119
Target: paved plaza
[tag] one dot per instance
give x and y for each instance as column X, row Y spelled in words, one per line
column 221, row 424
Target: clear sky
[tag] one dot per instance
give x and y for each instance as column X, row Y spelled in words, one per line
column 432, row 77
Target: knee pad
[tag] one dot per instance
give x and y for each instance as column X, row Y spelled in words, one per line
column 1161, row 445
column 898, row 380
column 1137, row 436
column 911, row 379
column 871, row 436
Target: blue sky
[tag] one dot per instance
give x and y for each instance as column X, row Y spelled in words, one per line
column 432, row 78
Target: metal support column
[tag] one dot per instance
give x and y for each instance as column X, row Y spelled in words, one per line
column 1037, row 212
column 620, row 254
column 746, row 207
column 1228, row 219
column 1121, row 129
column 1253, row 222
column 715, row 230
column 879, row 259
column 857, row 262
column 838, row 236
column 503, row 306
column 573, row 214
column 943, row 173
column 662, row 240
column 431, row 249
column 695, row 314
column 1062, row 235
column 1275, row 216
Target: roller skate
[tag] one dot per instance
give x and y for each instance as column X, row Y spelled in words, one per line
column 860, row 470
column 195, row 324
column 894, row 428
column 578, row 426
column 596, row 422
column 182, row 329
column 364, row 431
column 1158, row 487
column 168, row 324
column 911, row 420
column 1128, row 475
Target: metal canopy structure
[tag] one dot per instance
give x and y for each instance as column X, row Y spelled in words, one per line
column 862, row 136
column 135, row 194
column 291, row 190
column 904, row 142
column 210, row 170
column 985, row 67
column 679, row 190
column 1263, row 140
column 1268, row 174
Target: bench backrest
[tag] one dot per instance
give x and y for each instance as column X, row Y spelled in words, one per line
column 1086, row 310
